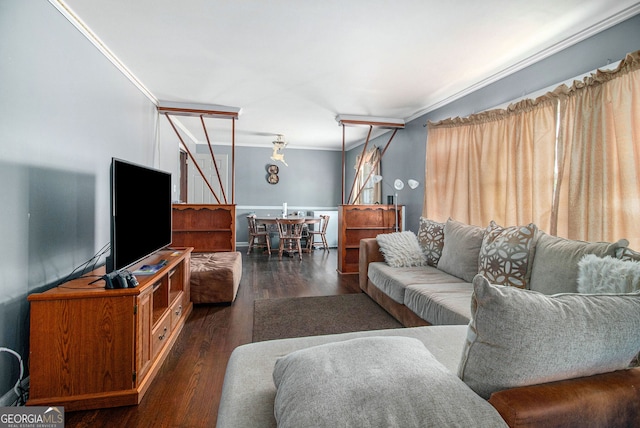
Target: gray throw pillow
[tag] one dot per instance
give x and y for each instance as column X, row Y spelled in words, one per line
column 555, row 265
column 375, row 381
column 401, row 249
column 462, row 243
column 521, row 337
column 431, row 240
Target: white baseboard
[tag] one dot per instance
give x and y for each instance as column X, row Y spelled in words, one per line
column 10, row 398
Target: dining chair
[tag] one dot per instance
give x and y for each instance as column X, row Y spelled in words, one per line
column 257, row 237
column 290, row 232
column 321, row 232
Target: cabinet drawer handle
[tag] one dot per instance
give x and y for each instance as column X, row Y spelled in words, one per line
column 179, row 310
column 164, row 333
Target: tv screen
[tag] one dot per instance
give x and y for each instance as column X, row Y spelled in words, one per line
column 140, row 213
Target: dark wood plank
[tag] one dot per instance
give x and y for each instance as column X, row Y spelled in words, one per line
column 187, row 390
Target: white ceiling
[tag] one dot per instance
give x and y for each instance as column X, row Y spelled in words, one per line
column 292, row 66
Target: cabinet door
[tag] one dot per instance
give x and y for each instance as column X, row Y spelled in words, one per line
column 143, row 334
column 81, row 347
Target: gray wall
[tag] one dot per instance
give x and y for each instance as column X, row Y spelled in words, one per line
column 65, row 110
column 311, row 181
column 405, row 157
column 308, row 180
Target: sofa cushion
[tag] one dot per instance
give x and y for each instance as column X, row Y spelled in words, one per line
column 461, row 249
column 506, row 254
column 374, row 382
column 394, row 281
column 440, row 304
column 607, row 275
column 555, row 264
column 431, row 240
column 521, row 337
column 401, row 249
column 248, row 391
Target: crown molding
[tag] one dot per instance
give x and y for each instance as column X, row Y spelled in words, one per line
column 66, row 11
column 546, row 53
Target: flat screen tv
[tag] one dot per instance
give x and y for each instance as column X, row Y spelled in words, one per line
column 140, row 213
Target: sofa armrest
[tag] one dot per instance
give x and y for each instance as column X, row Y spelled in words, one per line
column 609, row 399
column 369, row 252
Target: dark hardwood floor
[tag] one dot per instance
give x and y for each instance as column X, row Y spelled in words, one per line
column 186, row 391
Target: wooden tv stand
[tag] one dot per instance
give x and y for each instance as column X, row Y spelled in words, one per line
column 93, row 348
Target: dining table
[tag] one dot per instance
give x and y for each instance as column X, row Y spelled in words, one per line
column 271, row 220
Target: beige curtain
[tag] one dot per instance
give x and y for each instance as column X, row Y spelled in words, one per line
column 369, row 163
column 568, row 161
column 497, row 165
column 599, row 187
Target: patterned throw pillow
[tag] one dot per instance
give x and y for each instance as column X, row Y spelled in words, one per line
column 506, row 254
column 627, row 254
column 431, row 240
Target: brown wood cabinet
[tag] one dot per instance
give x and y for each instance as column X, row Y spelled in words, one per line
column 356, row 222
column 91, row 347
column 205, row 227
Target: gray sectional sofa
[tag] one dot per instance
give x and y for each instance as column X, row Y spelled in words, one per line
column 438, row 292
column 503, row 350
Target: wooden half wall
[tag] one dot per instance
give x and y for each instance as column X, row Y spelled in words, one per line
column 205, row 227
